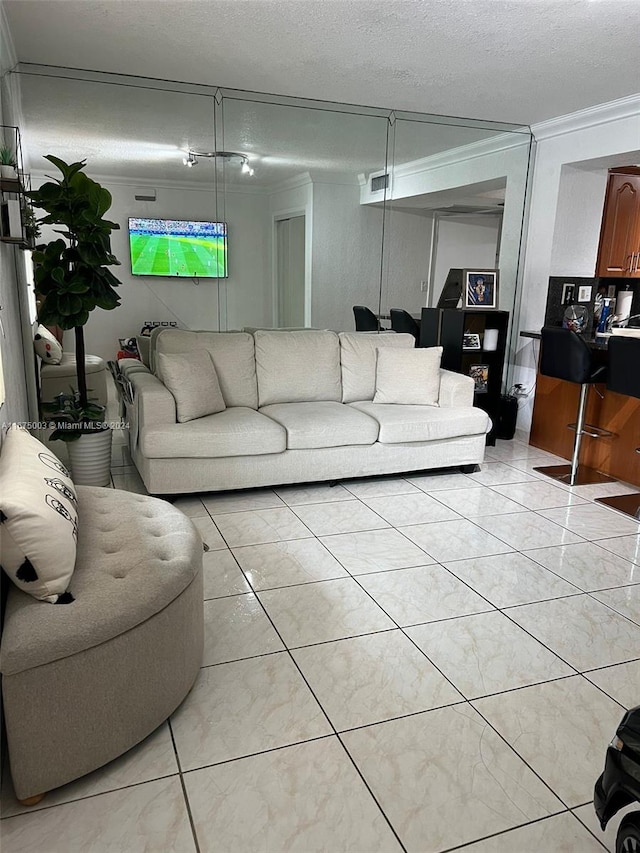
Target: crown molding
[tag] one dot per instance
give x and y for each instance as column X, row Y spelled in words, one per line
column 455, row 156
column 622, row 108
column 132, row 183
column 301, row 180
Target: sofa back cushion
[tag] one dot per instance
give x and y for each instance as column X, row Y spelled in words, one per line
column 358, row 359
column 232, row 354
column 297, row 367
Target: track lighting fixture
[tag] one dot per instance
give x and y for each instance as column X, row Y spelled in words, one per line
column 226, row 156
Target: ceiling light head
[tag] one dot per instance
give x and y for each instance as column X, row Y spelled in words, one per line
column 223, row 156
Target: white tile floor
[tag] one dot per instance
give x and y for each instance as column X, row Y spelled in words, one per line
column 423, row 664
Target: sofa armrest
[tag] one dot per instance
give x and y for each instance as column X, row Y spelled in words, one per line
column 456, row 389
column 154, row 403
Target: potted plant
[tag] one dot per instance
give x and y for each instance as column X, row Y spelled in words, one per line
column 31, row 226
column 7, row 162
column 72, row 278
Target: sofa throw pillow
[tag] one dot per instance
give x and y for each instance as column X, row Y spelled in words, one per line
column 46, row 346
column 38, row 518
column 192, row 379
column 408, row 376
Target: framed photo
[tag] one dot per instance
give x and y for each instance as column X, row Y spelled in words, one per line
column 584, row 293
column 480, row 375
column 470, row 341
column 480, row 288
column 568, row 292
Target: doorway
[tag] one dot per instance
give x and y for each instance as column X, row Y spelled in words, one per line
column 290, row 271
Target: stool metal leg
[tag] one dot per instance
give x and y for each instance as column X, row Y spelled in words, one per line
column 582, row 408
column 575, row 474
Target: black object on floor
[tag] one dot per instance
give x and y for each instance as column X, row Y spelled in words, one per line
column 505, row 427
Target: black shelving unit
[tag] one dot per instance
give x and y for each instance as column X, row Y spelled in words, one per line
column 447, row 328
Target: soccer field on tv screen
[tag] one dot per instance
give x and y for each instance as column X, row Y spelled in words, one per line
column 193, row 255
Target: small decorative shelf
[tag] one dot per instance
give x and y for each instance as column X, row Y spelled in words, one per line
column 13, row 194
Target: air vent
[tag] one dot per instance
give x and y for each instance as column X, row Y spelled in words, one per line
column 379, row 182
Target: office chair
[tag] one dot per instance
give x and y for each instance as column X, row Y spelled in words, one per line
column 402, row 321
column 366, row 320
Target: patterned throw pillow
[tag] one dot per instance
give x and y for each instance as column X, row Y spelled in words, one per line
column 46, row 346
column 38, row 518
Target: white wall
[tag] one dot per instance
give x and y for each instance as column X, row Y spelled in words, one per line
column 578, row 219
column 608, row 134
column 407, row 247
column 464, row 242
column 346, row 255
column 243, row 299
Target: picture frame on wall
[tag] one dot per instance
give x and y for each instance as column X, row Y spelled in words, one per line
column 480, row 375
column 584, row 293
column 480, row 289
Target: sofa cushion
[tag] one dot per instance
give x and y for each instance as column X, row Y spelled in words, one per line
column 193, row 381
column 297, row 367
column 238, row 431
column 232, row 354
column 358, row 357
column 323, row 424
column 401, row 424
column 409, row 377
column 38, row 518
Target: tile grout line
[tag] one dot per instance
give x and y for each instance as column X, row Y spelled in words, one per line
column 184, row 788
column 466, row 701
column 334, row 730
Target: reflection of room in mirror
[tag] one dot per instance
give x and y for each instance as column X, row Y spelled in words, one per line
column 449, row 193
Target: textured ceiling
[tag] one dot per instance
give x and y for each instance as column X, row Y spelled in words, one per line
column 519, row 61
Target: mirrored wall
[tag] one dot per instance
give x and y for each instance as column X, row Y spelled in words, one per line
column 325, row 205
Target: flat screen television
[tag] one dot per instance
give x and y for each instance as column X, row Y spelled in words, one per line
column 176, row 247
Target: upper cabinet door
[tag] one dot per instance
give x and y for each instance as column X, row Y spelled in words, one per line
column 619, row 252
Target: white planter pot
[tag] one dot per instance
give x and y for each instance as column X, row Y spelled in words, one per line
column 8, row 172
column 90, row 458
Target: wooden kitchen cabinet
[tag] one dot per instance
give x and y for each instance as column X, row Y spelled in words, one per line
column 619, row 250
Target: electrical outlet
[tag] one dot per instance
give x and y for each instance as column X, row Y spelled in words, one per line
column 424, row 286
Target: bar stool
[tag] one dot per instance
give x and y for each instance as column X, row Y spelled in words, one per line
column 624, row 378
column 565, row 355
column 366, row 320
column 402, row 321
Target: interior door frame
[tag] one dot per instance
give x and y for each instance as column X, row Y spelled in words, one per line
column 308, row 231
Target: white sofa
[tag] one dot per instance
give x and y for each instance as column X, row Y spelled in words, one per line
column 299, row 409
